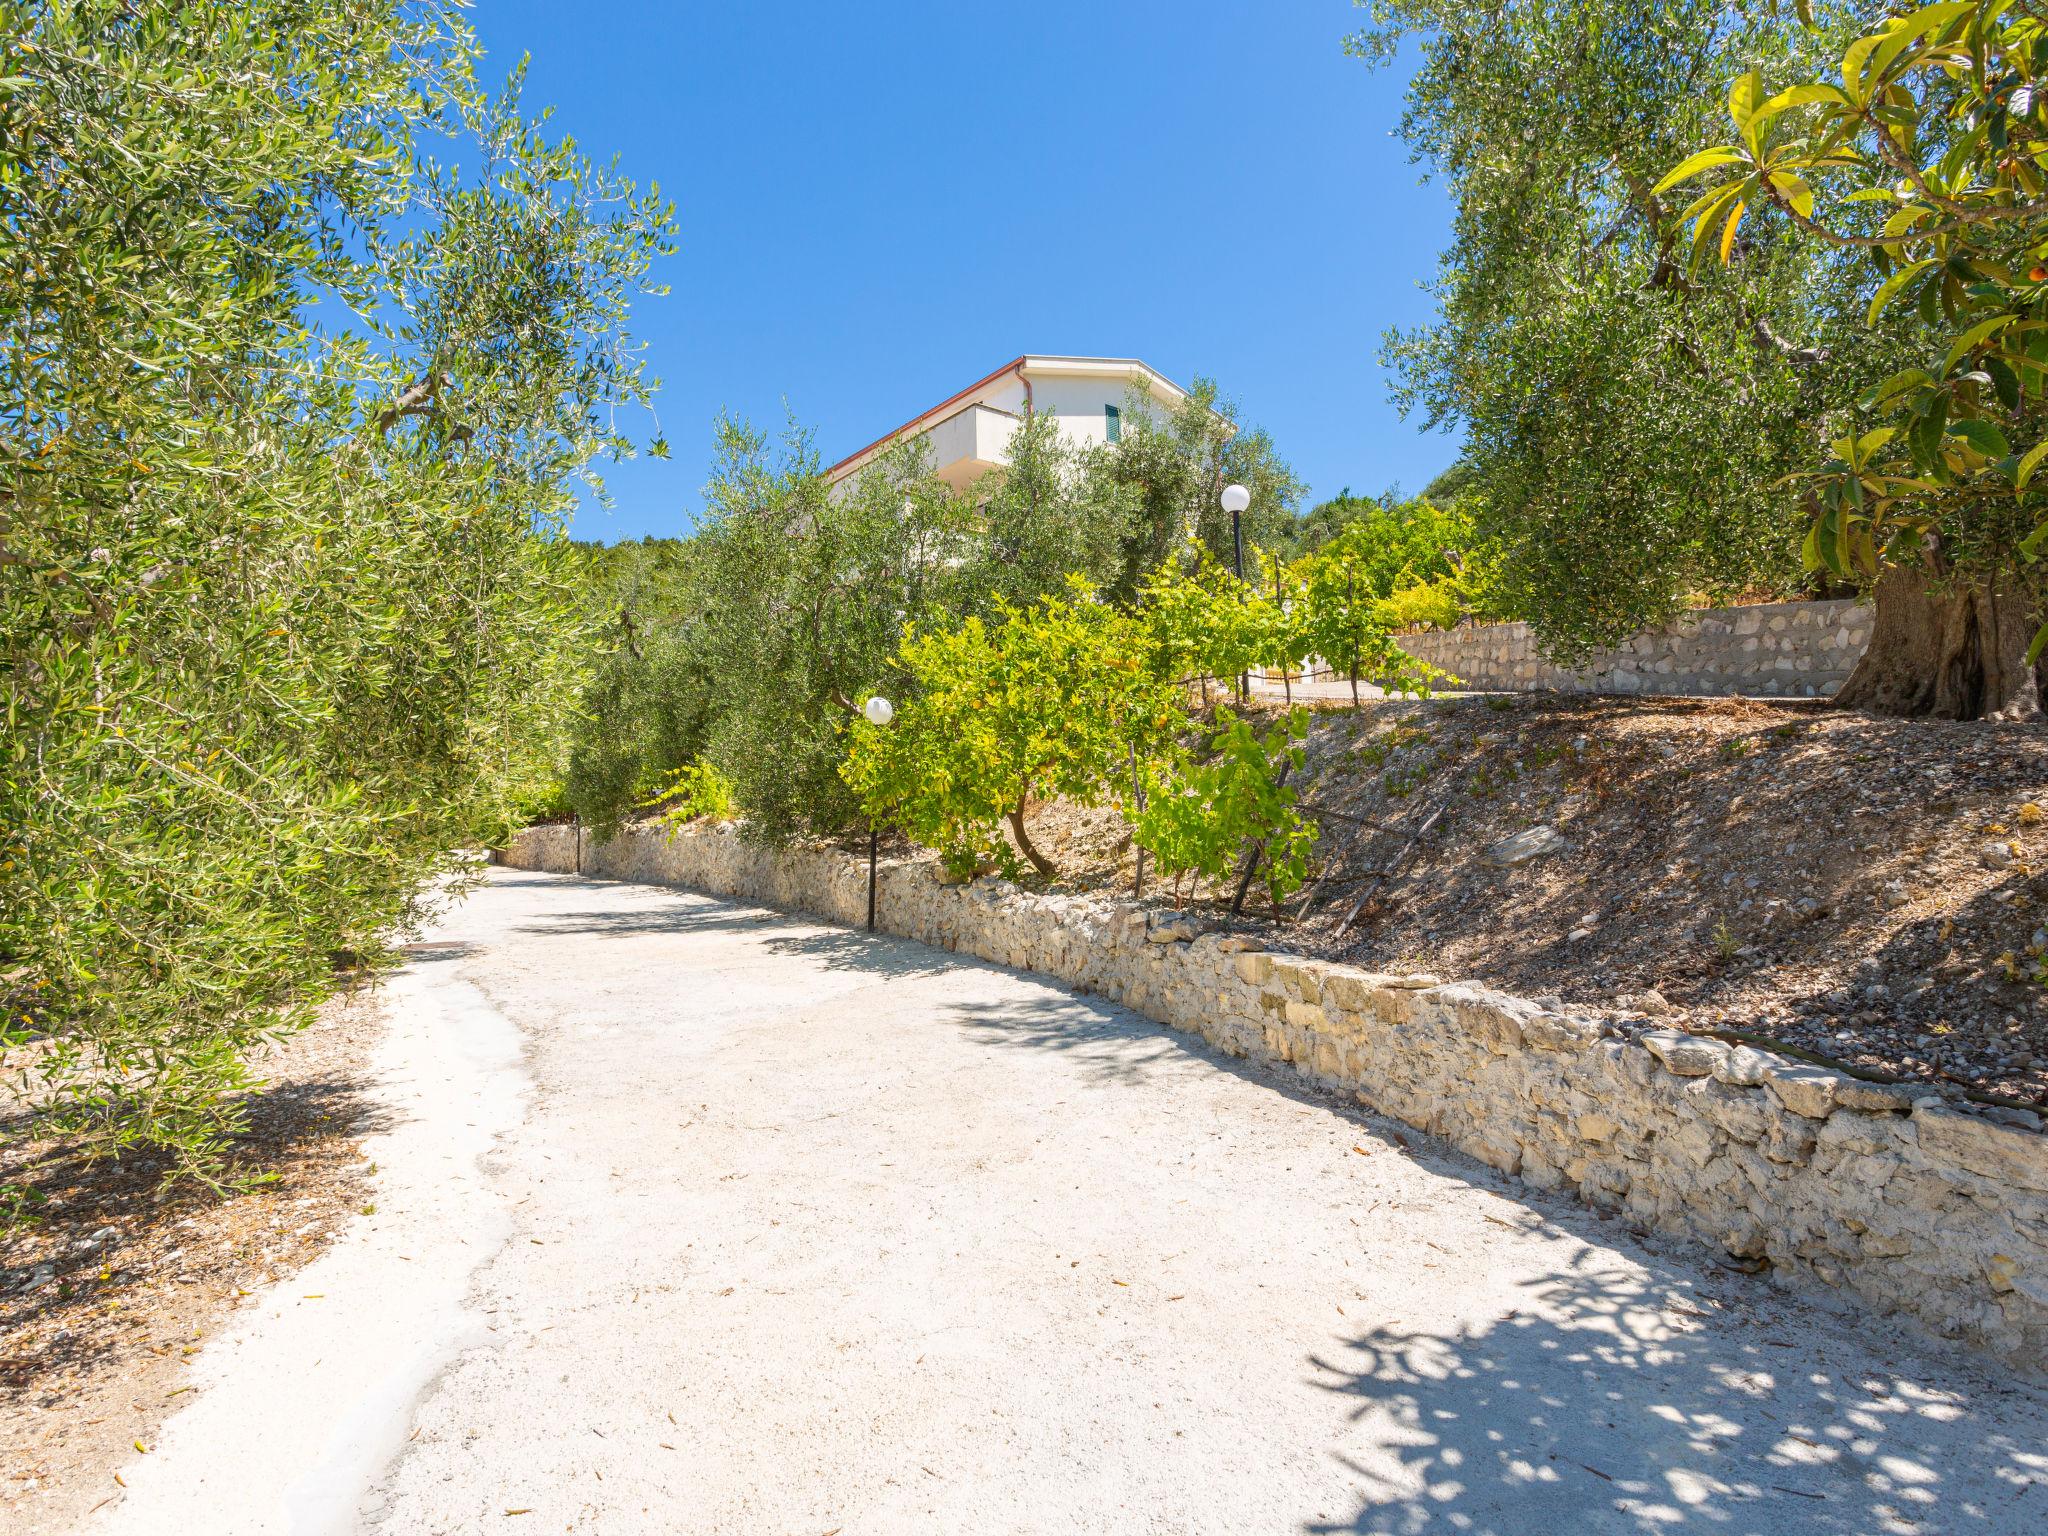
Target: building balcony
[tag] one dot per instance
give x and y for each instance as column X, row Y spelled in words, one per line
column 968, row 444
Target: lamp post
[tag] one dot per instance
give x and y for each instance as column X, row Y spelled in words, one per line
column 878, row 712
column 1235, row 500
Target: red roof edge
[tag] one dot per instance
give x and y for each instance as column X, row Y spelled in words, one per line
column 888, row 437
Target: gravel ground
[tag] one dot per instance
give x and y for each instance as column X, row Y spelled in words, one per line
column 699, row 1217
column 113, row 1290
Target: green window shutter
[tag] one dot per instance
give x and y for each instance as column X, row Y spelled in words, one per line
column 1113, row 423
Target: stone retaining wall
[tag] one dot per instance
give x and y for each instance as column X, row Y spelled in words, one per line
column 1779, row 650
column 1895, row 1195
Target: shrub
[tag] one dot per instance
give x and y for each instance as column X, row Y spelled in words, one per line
column 1201, row 622
column 1201, row 815
column 694, row 790
column 1433, row 603
column 1343, row 620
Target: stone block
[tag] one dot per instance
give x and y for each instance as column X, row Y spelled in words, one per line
column 1805, row 1090
column 1742, row 1113
column 1873, row 1098
column 1522, row 847
column 1302, row 978
column 1596, row 1127
column 1346, row 988
column 1983, row 1147
column 1685, row 1055
column 1743, row 1067
column 1849, row 1131
column 1559, row 1032
column 1305, row 1016
column 1790, row 1139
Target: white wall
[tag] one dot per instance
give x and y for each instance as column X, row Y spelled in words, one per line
column 1079, row 402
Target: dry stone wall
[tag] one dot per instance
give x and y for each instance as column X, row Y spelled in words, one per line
column 1777, row 650
column 1897, row 1196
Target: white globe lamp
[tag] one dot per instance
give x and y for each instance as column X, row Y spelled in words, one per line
column 1235, row 499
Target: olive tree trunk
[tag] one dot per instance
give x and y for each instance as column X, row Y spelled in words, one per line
column 1953, row 654
column 1025, row 846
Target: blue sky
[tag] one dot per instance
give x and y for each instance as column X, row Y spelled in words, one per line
column 880, row 203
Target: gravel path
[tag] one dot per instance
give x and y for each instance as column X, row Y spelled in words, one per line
column 700, row 1218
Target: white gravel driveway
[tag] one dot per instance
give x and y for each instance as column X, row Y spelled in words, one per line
column 698, row 1218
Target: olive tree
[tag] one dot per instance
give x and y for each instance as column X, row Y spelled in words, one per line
column 1049, row 513
column 1175, row 465
column 1630, row 419
column 1925, row 171
column 803, row 591
column 646, row 707
column 291, row 415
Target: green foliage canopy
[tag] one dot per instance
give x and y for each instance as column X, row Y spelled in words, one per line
column 646, row 703
column 1926, row 169
column 290, row 411
column 1048, row 700
column 1052, row 512
column 1343, row 618
column 803, row 590
column 1177, row 465
column 1630, row 422
column 1205, row 810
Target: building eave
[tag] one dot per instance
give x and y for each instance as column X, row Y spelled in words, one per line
column 936, row 413
column 1129, row 369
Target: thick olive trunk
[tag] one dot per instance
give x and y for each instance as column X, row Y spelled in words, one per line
column 1958, row 654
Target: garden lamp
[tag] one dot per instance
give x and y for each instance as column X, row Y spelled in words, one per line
column 1235, row 500
column 878, row 711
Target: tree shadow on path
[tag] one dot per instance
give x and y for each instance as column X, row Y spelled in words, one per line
column 789, row 934
column 1110, row 1043
column 1625, row 1392
column 1612, row 1402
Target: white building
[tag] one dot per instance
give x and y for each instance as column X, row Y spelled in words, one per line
column 969, row 434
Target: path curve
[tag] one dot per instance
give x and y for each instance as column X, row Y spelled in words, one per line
column 744, row 1224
